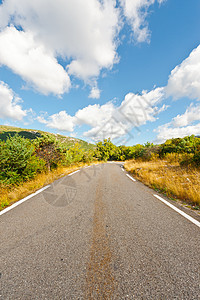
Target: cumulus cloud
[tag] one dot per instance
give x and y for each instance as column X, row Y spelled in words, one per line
column 93, row 115
column 191, row 115
column 81, row 32
column 134, row 111
column 140, row 108
column 182, row 125
column 94, row 93
column 110, row 121
column 24, row 56
column 61, row 121
column 9, row 104
column 184, row 80
column 111, row 129
column 136, row 12
column 166, row 132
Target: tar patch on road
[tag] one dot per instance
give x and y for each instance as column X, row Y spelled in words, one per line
column 100, row 278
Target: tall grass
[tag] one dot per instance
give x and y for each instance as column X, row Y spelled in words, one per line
column 10, row 195
column 170, row 177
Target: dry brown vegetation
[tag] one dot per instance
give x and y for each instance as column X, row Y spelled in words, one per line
column 10, row 195
column 168, row 176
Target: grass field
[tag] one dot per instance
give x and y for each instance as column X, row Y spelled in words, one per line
column 169, row 177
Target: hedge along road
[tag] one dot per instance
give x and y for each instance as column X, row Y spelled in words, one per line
column 98, row 235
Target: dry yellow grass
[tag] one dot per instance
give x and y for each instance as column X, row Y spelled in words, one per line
column 169, row 177
column 9, row 196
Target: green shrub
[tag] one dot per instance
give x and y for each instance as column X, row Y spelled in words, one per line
column 196, row 157
column 16, row 161
column 34, row 166
column 76, row 153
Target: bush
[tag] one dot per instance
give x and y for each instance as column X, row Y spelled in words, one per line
column 150, row 152
column 34, row 166
column 88, row 156
column 75, row 153
column 17, row 162
column 196, row 157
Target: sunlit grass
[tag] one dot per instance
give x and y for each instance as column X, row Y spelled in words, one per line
column 169, row 177
column 10, row 195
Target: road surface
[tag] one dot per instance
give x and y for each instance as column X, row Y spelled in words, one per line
column 98, row 235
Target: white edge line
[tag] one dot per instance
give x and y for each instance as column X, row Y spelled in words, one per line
column 178, row 211
column 30, row 196
column 73, row 173
column 23, row 200
column 34, row 194
column 122, row 169
column 130, row 177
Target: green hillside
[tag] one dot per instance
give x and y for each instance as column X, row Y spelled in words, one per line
column 32, row 134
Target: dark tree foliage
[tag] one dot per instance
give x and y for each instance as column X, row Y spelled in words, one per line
column 47, row 149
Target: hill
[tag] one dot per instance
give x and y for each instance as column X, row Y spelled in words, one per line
column 32, row 134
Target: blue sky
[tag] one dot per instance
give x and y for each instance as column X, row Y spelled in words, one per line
column 128, row 70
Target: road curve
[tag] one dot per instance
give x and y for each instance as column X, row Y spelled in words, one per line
column 98, row 235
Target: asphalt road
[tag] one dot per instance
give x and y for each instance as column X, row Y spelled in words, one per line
column 98, row 235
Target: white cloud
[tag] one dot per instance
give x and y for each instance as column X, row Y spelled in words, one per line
column 110, row 129
column 141, row 108
column 32, row 62
column 114, row 122
column 166, row 132
column 181, row 125
column 94, row 93
column 108, row 120
column 61, row 121
column 184, row 80
column 136, row 12
column 191, row 115
column 82, row 32
column 9, row 104
column 93, row 115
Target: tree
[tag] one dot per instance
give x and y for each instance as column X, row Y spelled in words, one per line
column 105, row 150
column 48, row 150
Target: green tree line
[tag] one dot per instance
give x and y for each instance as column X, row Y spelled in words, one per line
column 188, row 146
column 22, row 159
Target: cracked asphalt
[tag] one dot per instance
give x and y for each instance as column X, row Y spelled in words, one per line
column 98, row 235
